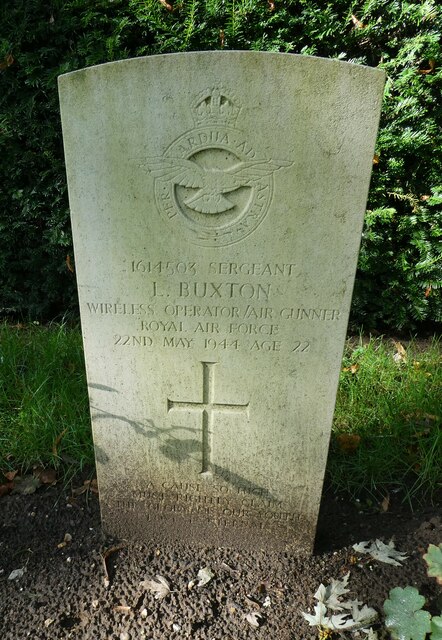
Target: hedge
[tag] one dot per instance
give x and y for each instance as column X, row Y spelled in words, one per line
column 400, row 266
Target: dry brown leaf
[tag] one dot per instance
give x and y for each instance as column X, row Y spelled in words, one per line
column 120, row 608
column 375, row 159
column 428, row 291
column 7, row 61
column 69, row 264
column 46, row 476
column 221, row 38
column 401, row 354
column 352, row 368
column 430, row 69
column 348, row 442
column 271, row 5
column 357, row 23
column 92, row 485
column 167, row 5
column 6, row 488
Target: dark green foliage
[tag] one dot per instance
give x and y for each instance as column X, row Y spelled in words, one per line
column 400, row 267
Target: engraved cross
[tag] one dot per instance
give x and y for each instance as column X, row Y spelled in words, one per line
column 207, row 407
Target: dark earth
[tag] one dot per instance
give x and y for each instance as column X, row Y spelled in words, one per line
column 84, row 585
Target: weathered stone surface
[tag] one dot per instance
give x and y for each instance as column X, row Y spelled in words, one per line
column 217, row 202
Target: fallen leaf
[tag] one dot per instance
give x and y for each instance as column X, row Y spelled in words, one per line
column 120, row 608
column 167, row 5
column 348, row 442
column 25, row 485
column 10, row 475
column 329, row 595
column 204, row 576
column 7, row 61
column 46, row 476
column 254, row 618
column 6, row 488
column 385, row 504
column 401, row 354
column 375, row 159
column 69, row 264
column 221, row 38
column 160, row 587
column 48, row 622
column 383, row 552
column 363, row 616
column 92, row 485
column 427, row 291
column 353, row 368
column 16, row 574
column 430, row 69
column 357, row 23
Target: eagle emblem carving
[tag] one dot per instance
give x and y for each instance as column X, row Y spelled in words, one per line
column 213, row 185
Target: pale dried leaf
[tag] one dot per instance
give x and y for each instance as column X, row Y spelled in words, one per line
column 361, row 616
column 330, row 594
column 16, row 574
column 254, row 619
column 378, row 550
column 160, row 587
column 319, row 616
column 204, row 576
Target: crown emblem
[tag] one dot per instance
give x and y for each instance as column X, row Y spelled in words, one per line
column 214, row 107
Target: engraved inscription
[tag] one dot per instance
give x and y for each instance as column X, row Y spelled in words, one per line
column 258, row 320
column 208, row 407
column 210, row 183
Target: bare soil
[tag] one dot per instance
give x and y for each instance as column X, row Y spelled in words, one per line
column 69, row 591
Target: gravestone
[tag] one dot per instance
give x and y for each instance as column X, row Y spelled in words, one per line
column 217, row 202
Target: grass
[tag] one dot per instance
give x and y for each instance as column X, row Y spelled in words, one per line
column 44, row 415
column 387, row 428
column 387, row 425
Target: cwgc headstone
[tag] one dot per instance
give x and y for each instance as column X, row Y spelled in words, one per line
column 217, row 203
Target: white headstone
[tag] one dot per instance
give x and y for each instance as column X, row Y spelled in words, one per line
column 217, row 203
